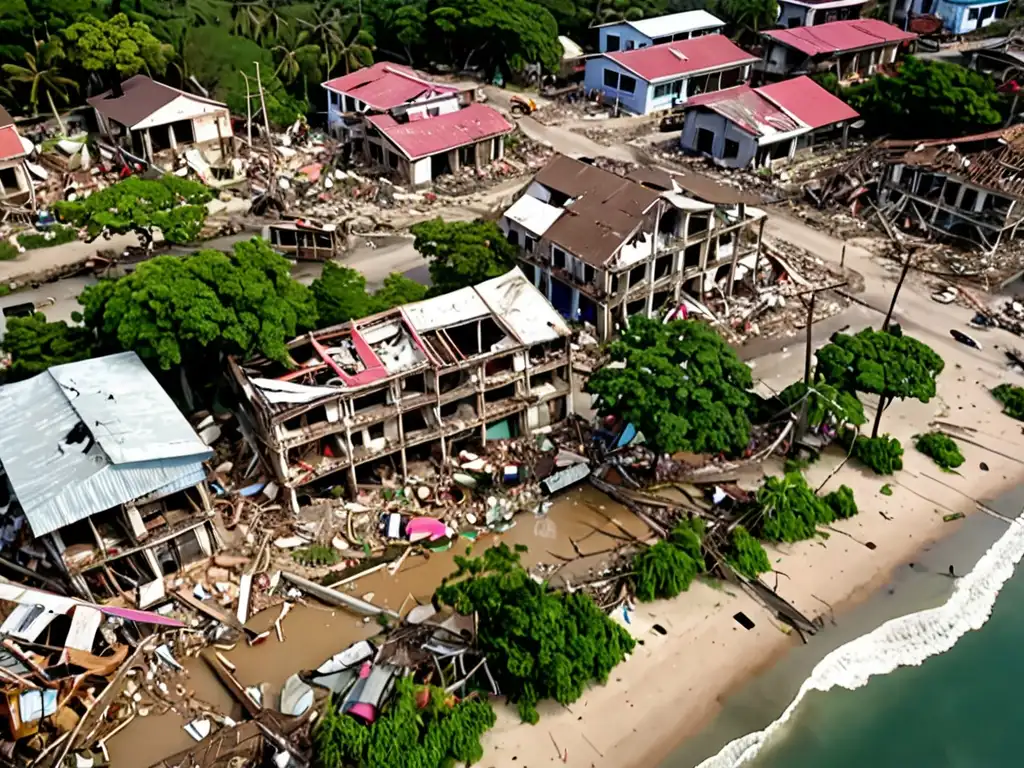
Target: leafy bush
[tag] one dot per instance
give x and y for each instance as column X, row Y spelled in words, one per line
column 7, row 251
column 825, row 403
column 1012, row 398
column 57, row 235
column 746, row 555
column 941, row 449
column 408, row 733
column 35, row 344
column 882, row 455
column 841, row 502
column 790, row 510
column 540, row 644
column 667, row 568
column 315, row 555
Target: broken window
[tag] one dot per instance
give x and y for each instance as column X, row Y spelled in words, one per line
column 662, row 266
column 637, row 275
column 500, row 393
column 475, row 337
column 969, row 199
column 691, row 256
column 371, row 400
column 415, row 421
column 463, row 410
column 557, row 257
column 513, row 237
column 950, row 194
column 8, row 180
column 732, row 149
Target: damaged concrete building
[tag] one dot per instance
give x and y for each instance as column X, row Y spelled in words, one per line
column 102, row 483
column 969, row 189
column 15, row 183
column 412, row 384
column 603, row 247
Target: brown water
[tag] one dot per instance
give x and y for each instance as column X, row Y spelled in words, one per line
column 314, row 632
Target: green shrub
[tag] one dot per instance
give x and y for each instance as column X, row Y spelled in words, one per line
column 1010, row 396
column 540, row 644
column 315, row 555
column 790, row 510
column 883, row 455
column 941, row 449
column 841, row 502
column 746, row 555
column 667, row 568
column 443, row 732
column 57, row 235
column 7, row 251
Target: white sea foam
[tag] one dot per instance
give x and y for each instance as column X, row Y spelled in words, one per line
column 906, row 641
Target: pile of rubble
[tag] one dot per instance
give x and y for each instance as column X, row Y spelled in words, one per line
column 523, row 157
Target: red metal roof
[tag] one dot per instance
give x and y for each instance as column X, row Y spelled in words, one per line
column 10, row 143
column 421, row 138
column 748, row 110
column 838, row 36
column 385, row 85
column 671, row 59
column 808, row 101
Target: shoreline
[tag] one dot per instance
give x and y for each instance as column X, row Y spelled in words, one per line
column 675, row 684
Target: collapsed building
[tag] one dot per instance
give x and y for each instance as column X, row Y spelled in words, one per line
column 414, row 383
column 15, row 183
column 101, row 481
column 603, row 247
column 970, row 188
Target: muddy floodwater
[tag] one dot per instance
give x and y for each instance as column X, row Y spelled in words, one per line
column 313, row 632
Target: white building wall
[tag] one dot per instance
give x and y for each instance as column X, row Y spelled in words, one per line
column 419, row 111
column 182, row 108
column 205, row 128
column 419, row 171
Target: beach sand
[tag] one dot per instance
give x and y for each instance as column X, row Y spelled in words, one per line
column 673, row 684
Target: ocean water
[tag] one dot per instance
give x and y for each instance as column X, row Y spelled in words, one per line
column 925, row 673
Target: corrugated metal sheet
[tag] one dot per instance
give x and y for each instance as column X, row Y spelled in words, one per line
column 698, row 54
column 522, row 308
column 122, row 407
column 676, row 23
column 422, row 138
column 808, row 102
column 839, row 36
column 533, row 215
column 447, row 310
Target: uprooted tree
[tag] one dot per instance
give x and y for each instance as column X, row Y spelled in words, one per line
column 420, row 726
column 186, row 311
column 680, row 384
column 883, row 363
column 177, row 207
column 463, row 253
column 540, row 644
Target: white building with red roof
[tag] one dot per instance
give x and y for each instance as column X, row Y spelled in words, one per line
column 658, row 77
column 418, row 129
column 15, row 184
column 853, row 48
column 743, row 126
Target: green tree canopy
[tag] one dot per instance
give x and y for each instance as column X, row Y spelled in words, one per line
column 668, row 567
column 540, row 644
column 177, row 207
column 680, row 384
column 341, row 294
column 219, row 59
column 174, row 311
column 882, row 363
column 35, row 344
column 825, row 402
column 117, row 48
column 463, row 253
column 928, row 99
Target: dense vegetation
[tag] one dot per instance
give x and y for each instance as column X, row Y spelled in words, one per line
column 825, row 404
column 35, row 344
column 680, row 384
column 940, row 448
column 1012, row 398
column 421, row 727
column 883, row 363
column 668, row 567
column 341, row 294
column 883, row 455
column 541, row 644
column 175, row 311
column 746, row 555
column 787, row 509
column 463, row 253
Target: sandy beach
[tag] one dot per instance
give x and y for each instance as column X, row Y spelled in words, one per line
column 674, row 682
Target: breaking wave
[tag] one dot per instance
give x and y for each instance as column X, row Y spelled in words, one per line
column 901, row 642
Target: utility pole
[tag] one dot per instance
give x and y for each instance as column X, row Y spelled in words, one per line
column 801, row 424
column 895, row 293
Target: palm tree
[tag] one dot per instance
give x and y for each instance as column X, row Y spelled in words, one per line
column 41, row 73
column 248, row 19
column 354, row 48
column 324, row 28
column 294, row 57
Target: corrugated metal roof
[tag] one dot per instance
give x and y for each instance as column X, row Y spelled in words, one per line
column 839, row 36
column 385, row 85
column 748, row 110
column 699, row 54
column 676, row 23
column 10, row 143
column 136, row 439
column 446, row 310
column 422, row 138
column 533, row 215
column 809, row 102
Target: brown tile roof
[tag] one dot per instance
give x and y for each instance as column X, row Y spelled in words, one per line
column 142, row 97
column 606, row 209
column 5, row 118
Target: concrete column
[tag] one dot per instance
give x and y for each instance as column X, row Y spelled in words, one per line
column 172, row 138
column 575, row 303
column 147, row 144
